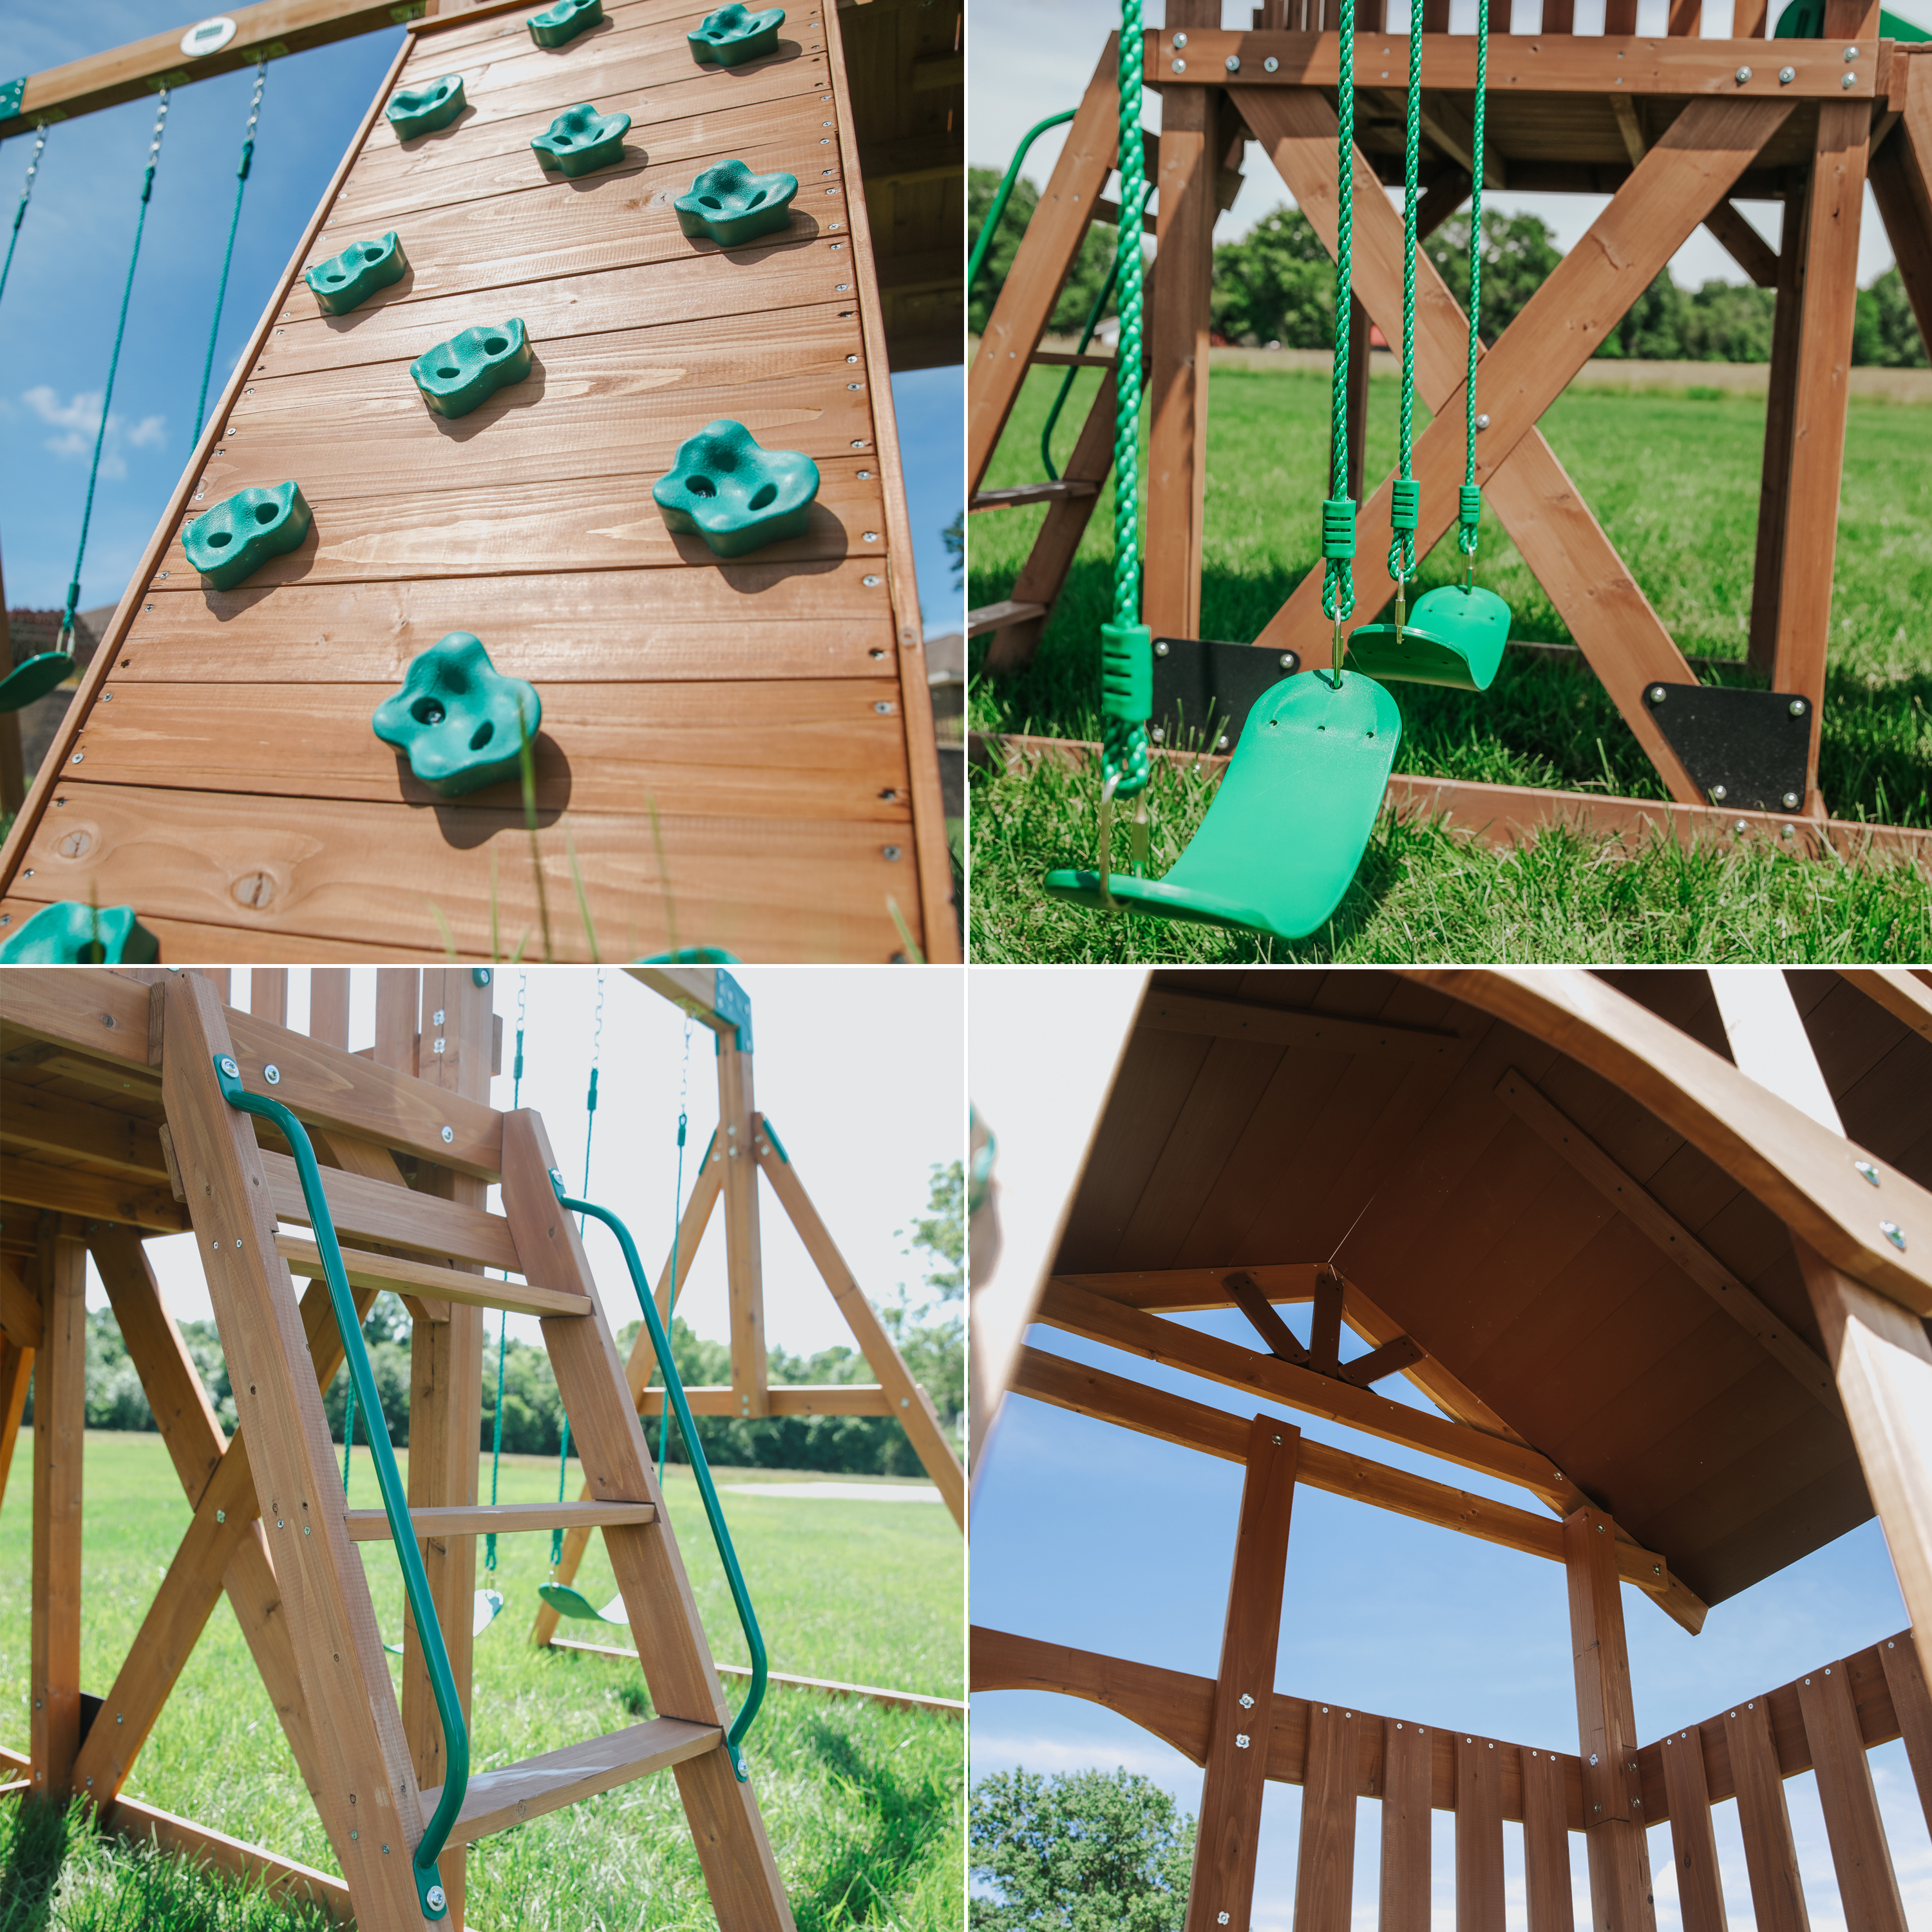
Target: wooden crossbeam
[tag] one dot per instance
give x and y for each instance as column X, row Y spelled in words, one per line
column 381, row 1208
column 1745, row 245
column 400, row 1276
column 499, row 1518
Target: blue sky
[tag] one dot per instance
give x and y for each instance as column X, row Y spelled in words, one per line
column 57, row 319
column 1088, row 1534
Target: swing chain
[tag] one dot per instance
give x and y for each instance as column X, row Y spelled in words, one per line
column 26, row 195
column 227, row 260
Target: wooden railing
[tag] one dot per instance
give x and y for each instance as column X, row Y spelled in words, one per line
column 1824, row 1722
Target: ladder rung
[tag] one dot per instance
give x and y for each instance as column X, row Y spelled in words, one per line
column 997, row 616
column 441, row 1284
column 496, row 1800
column 1032, row 493
column 503, row 1518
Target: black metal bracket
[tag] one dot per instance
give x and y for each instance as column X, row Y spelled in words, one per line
column 1745, row 750
column 1203, row 690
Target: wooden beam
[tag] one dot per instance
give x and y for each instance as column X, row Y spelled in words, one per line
column 16, row 1372
column 281, row 1878
column 895, row 1700
column 1787, row 328
column 60, row 1423
column 44, row 1123
column 1901, row 183
column 1907, row 999
column 92, row 1197
column 437, row 1524
column 1229, row 1837
column 1325, row 1345
column 693, row 990
column 1631, row 134
column 402, row 1277
column 1746, row 246
column 1639, row 1206
column 383, row 1209
column 1275, row 1335
column 19, row 1306
column 744, row 1247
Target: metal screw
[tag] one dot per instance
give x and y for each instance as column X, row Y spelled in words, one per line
column 1240, row 1740
column 78, row 756
column 1797, row 707
column 221, row 1516
column 870, row 583
column 1743, row 75
column 354, row 1835
column 1791, row 801
column 883, row 708
column 1893, row 1233
column 1851, row 53
column 1718, row 794
column 892, row 852
column 433, row 1898
column 1786, row 76
column 1221, row 742
column 1158, row 734
column 1247, row 1702
column 1221, row 1919
column 1849, row 80
column 1482, row 423
column 1160, row 648
column 1233, row 63
column 1287, row 661
column 1181, row 66
column 229, row 1067
column 1656, row 693
column 1870, row 1172
column 272, row 1074
column 1180, row 39
column 1741, row 826
column 1270, row 64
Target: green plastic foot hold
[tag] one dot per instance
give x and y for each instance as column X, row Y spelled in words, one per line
column 244, row 531
column 468, row 369
column 73, row 934
column 1454, row 636
column 564, row 22
column 735, row 34
column 422, row 110
column 580, row 140
column 457, row 719
column 735, row 496
column 733, row 206
column 347, row 280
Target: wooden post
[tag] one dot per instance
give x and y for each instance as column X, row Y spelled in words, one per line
column 1620, row 1891
column 744, row 1251
column 328, row 1005
column 1405, row 1898
column 1221, row 1891
column 1177, row 346
column 60, row 1422
column 1787, row 326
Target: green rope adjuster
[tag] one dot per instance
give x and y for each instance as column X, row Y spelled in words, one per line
column 740, row 1596
column 395, row 1502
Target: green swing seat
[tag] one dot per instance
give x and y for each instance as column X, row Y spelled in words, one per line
column 34, row 677
column 1288, row 828
column 1454, row 637
column 568, row 1603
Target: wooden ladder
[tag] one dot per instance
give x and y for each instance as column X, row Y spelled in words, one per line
column 359, row 1765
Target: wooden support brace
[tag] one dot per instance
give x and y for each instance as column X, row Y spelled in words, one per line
column 744, row 1249
column 1901, row 182
column 60, row 1423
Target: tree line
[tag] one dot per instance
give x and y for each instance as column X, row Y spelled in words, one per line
column 1275, row 288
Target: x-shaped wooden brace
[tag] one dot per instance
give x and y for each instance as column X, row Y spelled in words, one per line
column 1685, row 175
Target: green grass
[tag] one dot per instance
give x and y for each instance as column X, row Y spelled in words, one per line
column 1672, row 477
column 863, row 1804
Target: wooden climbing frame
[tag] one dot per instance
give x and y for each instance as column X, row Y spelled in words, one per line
column 1665, row 1244
column 1672, row 129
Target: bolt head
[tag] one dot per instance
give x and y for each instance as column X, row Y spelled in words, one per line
column 1160, row 648
column 1233, row 63
column 1181, row 66
column 1849, row 80
column 1657, row 693
column 1240, row 1740
column 229, row 1067
column 1247, row 1702
column 1287, row 661
column 1743, row 75
column 434, row 1899
column 1893, row 1233
column 448, row 1136
column 1180, row 39
column 1797, row 707
column 1791, row 801
column 1870, row 1172
column 1851, row 53
column 1719, row 793
column 1786, row 76
column 891, row 852
column 1271, row 65
column 1482, row 423
column 272, row 1074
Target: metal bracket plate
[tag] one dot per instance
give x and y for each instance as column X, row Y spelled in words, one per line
column 734, row 1004
column 1203, row 690
column 1745, row 750
column 11, row 92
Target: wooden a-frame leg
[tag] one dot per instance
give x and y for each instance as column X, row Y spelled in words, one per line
column 744, row 1249
column 1620, row 1889
column 740, row 1871
column 19, row 1336
column 60, row 1423
column 911, row 1403
column 691, row 1226
column 361, row 1750
column 1775, row 481
column 1221, row 1888
column 1901, row 181
column 1358, row 395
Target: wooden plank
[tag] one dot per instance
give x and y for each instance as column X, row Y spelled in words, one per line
column 1867, row 1886
column 1275, row 1335
column 1744, row 243
column 1620, row 1890
column 402, row 1276
column 893, row 1700
column 1774, row 477
column 19, row 1305
column 1405, row 1897
column 911, row 1403
column 1546, row 1844
column 345, row 1676
column 1777, row 1892
column 744, row 1251
column 1905, row 1677
column 46, row 1123
column 1167, row 1010
column 60, row 1423
column 1479, row 1836
column 1325, row 1331
column 388, row 1212
column 1901, row 182
column 800, row 1399
column 589, row 627
column 1700, row 1891
column 1638, row 1205
column 723, row 1813
column 821, row 751
column 328, row 1024
column 1229, row 1835
column 349, row 870
column 281, row 1878
column 1324, row 1868
column 92, row 1197
column 501, row 1519
column 88, row 1007
column 1906, row 998
column 1053, row 236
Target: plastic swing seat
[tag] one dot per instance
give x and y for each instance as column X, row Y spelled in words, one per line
column 567, row 1602
column 1288, row 826
column 34, row 677
column 489, row 1607
column 1454, row 636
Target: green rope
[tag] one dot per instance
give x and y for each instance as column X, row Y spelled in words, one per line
column 114, row 362
column 235, row 222
column 1403, row 503
column 1338, row 512
column 1126, row 650
column 26, row 195
column 348, row 1433
column 1470, row 507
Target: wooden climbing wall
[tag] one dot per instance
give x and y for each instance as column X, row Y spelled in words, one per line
column 733, row 754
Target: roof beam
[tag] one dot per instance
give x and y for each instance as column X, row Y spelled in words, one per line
column 1165, row 1011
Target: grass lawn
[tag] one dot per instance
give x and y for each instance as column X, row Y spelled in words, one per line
column 863, row 1804
column 1673, row 478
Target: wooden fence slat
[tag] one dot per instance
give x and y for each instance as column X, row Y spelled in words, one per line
column 1911, row 1699
column 1867, row 1886
column 1324, row 1869
column 1545, row 1842
column 1778, row 1894
column 1406, row 1890
column 1700, row 1895
column 1479, row 1836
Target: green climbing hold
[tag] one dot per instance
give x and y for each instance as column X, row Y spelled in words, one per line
column 564, row 22
column 422, row 110
column 244, row 531
column 735, row 34
column 469, row 368
column 347, row 280
column 1454, row 636
column 457, row 719
column 735, row 496
column 580, row 140
column 34, row 677
column 73, row 934
column 733, row 206
column 1289, row 825
column 693, row 955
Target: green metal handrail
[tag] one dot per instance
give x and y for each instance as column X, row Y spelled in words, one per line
column 395, row 1503
column 1066, row 381
column 984, row 242
column 740, row 1595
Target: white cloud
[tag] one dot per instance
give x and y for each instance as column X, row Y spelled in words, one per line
column 150, row 433
column 82, row 413
column 79, row 420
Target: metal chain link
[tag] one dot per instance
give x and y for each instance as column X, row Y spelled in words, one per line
column 26, row 195
column 234, row 224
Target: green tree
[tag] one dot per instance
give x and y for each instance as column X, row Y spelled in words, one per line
column 1083, row 281
column 1886, row 331
column 1728, row 321
column 1085, row 1851
column 955, row 534
column 1276, row 284
column 1518, row 254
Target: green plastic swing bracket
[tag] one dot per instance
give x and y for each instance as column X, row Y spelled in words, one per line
column 232, row 541
column 735, row 34
column 778, row 1145
column 731, row 205
column 12, row 92
column 720, row 1533
column 70, row 934
column 580, row 140
column 731, row 1002
column 735, row 495
column 347, row 280
column 460, row 722
column 422, row 110
column 556, row 26
column 456, row 376
column 395, row 1502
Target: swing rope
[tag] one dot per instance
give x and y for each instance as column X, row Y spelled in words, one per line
column 1404, row 496
column 503, row 1318
column 26, row 195
column 1469, row 504
column 676, row 1218
column 1338, row 511
column 590, row 1127
column 348, row 1433
column 235, row 222
column 66, row 642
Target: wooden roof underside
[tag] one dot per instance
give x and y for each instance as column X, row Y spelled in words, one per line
column 1463, row 1224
